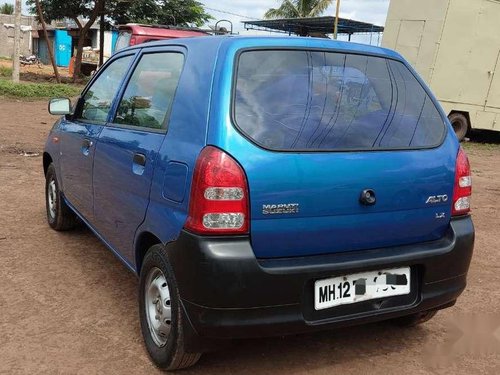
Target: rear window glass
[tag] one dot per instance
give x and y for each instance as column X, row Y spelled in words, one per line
column 313, row 100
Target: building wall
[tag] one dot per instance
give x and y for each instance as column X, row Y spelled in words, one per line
column 7, row 35
column 43, row 51
column 455, row 47
column 109, row 41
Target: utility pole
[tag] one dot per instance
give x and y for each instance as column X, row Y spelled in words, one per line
column 17, row 41
column 336, row 25
column 101, row 33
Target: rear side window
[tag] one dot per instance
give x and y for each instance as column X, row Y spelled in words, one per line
column 150, row 91
column 313, row 100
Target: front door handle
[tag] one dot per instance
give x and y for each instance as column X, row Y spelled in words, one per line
column 140, row 159
column 86, row 145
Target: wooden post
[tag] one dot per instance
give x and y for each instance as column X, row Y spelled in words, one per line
column 336, row 25
column 46, row 36
column 17, row 41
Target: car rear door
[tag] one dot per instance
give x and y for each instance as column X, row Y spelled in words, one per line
column 343, row 152
column 128, row 146
column 78, row 136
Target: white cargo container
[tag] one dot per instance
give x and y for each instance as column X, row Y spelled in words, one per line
column 455, row 46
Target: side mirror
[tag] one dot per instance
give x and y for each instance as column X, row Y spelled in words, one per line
column 60, row 106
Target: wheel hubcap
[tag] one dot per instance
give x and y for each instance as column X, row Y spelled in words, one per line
column 51, row 197
column 158, row 306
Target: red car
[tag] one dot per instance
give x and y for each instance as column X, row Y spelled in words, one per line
column 132, row 34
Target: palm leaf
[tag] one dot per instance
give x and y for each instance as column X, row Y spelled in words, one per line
column 287, row 10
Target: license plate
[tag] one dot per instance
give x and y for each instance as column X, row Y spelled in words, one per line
column 362, row 286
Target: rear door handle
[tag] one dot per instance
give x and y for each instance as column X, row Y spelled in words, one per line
column 140, row 159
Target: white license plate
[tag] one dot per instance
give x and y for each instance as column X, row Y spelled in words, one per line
column 362, row 286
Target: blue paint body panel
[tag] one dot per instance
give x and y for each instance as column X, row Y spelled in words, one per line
column 121, row 187
column 76, row 163
column 126, row 201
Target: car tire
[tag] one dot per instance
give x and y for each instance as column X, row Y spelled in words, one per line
column 460, row 125
column 415, row 319
column 59, row 216
column 160, row 313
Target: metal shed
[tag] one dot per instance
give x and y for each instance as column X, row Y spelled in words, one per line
column 313, row 26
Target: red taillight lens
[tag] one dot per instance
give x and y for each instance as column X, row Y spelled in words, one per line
column 219, row 195
column 463, row 185
column 133, row 41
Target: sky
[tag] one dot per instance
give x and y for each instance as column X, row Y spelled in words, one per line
column 374, row 11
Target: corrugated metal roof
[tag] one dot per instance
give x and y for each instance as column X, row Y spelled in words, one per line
column 307, row 26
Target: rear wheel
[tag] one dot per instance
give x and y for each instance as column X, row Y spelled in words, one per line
column 59, row 216
column 460, row 125
column 160, row 313
column 415, row 319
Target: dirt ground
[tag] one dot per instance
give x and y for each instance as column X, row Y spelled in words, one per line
column 34, row 73
column 68, row 306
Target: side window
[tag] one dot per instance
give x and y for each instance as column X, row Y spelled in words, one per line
column 99, row 97
column 150, row 91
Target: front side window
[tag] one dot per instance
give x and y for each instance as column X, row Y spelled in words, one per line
column 313, row 100
column 97, row 101
column 150, row 91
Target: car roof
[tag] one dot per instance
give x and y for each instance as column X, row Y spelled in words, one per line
column 242, row 42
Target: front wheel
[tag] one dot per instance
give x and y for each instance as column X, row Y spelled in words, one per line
column 59, row 215
column 160, row 313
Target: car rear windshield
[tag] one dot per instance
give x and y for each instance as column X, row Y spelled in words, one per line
column 315, row 100
column 123, row 40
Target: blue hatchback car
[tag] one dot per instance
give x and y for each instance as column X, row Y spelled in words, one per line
column 264, row 186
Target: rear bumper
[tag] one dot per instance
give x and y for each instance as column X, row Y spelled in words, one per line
column 227, row 293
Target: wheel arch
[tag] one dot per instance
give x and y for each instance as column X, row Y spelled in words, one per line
column 143, row 243
column 47, row 160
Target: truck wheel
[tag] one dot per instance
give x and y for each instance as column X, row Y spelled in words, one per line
column 415, row 319
column 460, row 125
column 59, row 216
column 160, row 313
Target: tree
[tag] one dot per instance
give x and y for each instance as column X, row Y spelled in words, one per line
column 78, row 11
column 167, row 12
column 299, row 9
column 85, row 13
column 6, row 9
column 47, row 41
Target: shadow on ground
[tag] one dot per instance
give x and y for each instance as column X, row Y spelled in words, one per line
column 485, row 136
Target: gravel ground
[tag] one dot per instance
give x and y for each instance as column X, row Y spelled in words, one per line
column 68, row 306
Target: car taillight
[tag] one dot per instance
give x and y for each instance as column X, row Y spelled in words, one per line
column 133, row 41
column 463, row 185
column 219, row 195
